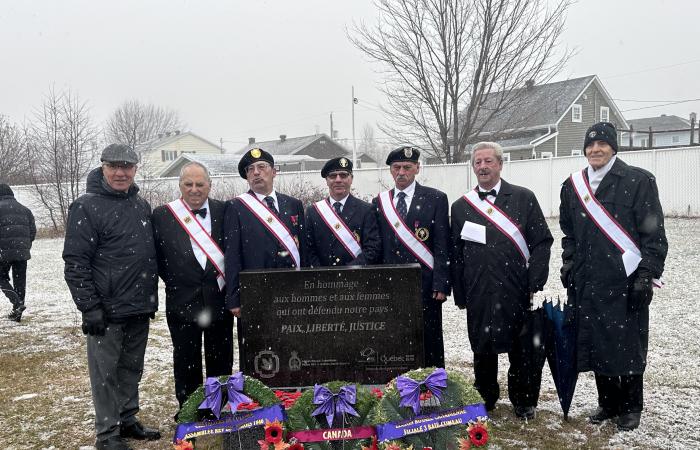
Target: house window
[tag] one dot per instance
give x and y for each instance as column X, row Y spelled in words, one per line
column 168, row 155
column 604, row 114
column 576, row 113
column 546, row 155
column 506, row 156
column 676, row 139
column 576, row 152
column 644, row 142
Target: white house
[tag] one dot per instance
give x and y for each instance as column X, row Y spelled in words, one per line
column 160, row 152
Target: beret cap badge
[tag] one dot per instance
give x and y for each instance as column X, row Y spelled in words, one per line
column 255, row 153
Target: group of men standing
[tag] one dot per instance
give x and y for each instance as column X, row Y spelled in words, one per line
column 493, row 256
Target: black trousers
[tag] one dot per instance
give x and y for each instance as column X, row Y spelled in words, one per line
column 524, row 375
column 432, row 333
column 187, row 352
column 623, row 394
column 15, row 291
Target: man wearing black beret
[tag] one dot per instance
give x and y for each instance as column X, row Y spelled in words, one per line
column 341, row 229
column 414, row 227
column 614, row 248
column 263, row 229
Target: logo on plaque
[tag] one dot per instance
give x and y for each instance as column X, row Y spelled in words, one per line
column 267, row 364
column 369, row 355
column 294, row 361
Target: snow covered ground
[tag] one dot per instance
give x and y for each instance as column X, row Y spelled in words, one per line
column 45, row 397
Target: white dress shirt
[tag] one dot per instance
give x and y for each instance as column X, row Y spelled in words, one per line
column 496, row 188
column 272, row 194
column 409, row 191
column 342, row 202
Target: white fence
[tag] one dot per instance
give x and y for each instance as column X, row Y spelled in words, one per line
column 677, row 172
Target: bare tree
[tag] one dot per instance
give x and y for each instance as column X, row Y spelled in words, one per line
column 451, row 65
column 62, row 145
column 135, row 123
column 13, row 153
column 368, row 144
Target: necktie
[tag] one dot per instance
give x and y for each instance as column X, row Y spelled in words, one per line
column 202, row 212
column 337, row 206
column 401, row 205
column 483, row 195
column 271, row 204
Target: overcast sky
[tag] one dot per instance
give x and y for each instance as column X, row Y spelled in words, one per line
column 262, row 68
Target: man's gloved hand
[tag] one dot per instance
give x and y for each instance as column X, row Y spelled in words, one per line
column 94, row 322
column 567, row 275
column 642, row 290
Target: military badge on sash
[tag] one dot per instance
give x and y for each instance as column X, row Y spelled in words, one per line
column 187, row 219
column 397, row 224
column 489, row 211
column 270, row 219
column 586, row 198
column 337, row 226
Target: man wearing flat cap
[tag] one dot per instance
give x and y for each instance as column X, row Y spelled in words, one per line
column 341, row 230
column 614, row 249
column 263, row 229
column 414, row 228
column 111, row 270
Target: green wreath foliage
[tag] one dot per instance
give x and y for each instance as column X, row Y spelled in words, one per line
column 252, row 387
column 459, row 392
column 299, row 416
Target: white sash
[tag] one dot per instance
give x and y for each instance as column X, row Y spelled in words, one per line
column 273, row 224
column 631, row 255
column 419, row 249
column 338, row 227
column 501, row 221
column 199, row 236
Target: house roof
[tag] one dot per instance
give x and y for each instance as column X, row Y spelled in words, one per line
column 536, row 106
column 164, row 140
column 289, row 146
column 660, row 123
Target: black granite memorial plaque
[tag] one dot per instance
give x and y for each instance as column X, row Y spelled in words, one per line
column 361, row 324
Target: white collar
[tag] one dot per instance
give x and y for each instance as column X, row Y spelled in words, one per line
column 408, row 191
column 272, row 194
column 496, row 188
column 342, row 202
column 204, row 205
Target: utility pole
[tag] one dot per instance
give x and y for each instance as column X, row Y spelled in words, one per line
column 221, row 144
column 332, row 126
column 354, row 143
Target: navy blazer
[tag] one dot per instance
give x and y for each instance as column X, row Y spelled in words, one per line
column 428, row 211
column 189, row 289
column 326, row 250
column 249, row 245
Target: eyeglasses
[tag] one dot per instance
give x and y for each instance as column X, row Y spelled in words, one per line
column 261, row 166
column 342, row 175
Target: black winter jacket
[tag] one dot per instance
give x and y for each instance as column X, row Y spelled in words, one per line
column 17, row 229
column 109, row 251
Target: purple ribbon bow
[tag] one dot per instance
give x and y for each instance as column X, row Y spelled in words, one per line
column 332, row 404
column 212, row 396
column 234, row 387
column 409, row 389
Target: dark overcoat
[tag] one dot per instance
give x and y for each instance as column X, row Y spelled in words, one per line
column 492, row 280
column 17, row 228
column 613, row 334
column 249, row 245
column 189, row 289
column 324, row 247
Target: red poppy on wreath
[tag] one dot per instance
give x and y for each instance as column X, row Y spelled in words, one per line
column 377, row 392
column 297, row 446
column 273, row 431
column 427, row 395
column 464, row 444
column 393, row 446
column 183, row 445
column 373, row 445
column 478, row 434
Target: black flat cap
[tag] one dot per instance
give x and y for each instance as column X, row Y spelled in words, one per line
column 251, row 157
column 335, row 165
column 115, row 153
column 410, row 154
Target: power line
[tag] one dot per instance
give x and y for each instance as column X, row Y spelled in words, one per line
column 664, row 104
column 648, row 101
column 652, row 69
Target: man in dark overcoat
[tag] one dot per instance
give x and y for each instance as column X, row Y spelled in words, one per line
column 500, row 258
column 263, row 229
column 17, row 232
column 189, row 262
column 424, row 225
column 334, row 222
column 614, row 247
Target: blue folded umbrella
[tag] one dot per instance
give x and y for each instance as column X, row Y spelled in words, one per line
column 560, row 347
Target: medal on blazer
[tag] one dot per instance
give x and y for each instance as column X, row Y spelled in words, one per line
column 422, row 233
column 357, row 235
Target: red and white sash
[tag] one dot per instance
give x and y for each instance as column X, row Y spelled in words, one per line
column 409, row 240
column 501, row 221
column 338, row 227
column 631, row 255
column 199, row 236
column 270, row 220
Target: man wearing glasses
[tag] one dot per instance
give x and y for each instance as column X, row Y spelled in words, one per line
column 263, row 229
column 111, row 270
column 341, row 230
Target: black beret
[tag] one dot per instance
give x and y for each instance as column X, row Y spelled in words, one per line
column 602, row 131
column 252, row 156
column 410, row 154
column 336, row 164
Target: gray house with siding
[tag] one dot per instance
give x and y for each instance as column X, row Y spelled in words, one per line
column 551, row 119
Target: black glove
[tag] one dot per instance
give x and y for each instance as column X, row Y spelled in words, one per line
column 641, row 291
column 567, row 276
column 152, row 316
column 94, row 322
